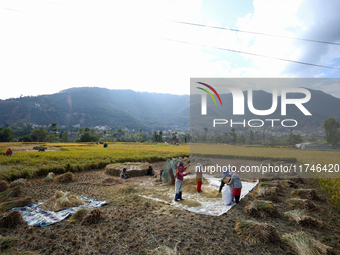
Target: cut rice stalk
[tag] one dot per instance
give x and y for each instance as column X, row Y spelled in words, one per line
column 15, row 203
column 256, row 232
column 11, row 193
column 11, row 219
column 302, row 244
column 79, row 215
column 261, row 209
column 305, row 194
column 300, row 217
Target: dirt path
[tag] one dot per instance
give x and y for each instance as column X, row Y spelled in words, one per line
column 133, row 225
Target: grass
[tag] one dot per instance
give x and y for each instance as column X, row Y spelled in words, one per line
column 78, row 157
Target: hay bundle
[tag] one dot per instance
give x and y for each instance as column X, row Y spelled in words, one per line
column 256, row 232
column 92, row 217
column 302, row 204
column 112, row 180
column 190, row 203
column 261, row 209
column 301, row 243
column 79, row 215
column 266, row 193
column 61, row 200
column 11, row 219
column 300, row 217
column 64, row 178
column 132, row 169
column 267, row 184
column 18, row 182
column 3, row 185
column 7, row 242
column 49, row 177
column 11, row 193
column 15, row 203
column 305, row 193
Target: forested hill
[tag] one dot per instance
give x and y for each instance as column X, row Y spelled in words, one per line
column 92, row 106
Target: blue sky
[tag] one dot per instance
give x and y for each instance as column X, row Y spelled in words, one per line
column 49, row 46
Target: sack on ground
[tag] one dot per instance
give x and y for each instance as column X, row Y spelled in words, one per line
column 226, row 195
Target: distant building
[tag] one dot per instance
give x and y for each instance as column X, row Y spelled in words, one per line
column 317, row 146
column 38, row 105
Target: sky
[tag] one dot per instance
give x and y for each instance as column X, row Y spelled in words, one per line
column 49, row 46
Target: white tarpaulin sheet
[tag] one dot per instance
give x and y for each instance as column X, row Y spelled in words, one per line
column 209, row 206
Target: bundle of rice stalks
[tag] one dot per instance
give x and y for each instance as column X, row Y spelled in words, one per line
column 61, row 200
column 3, row 185
column 92, row 217
column 64, row 178
column 79, row 215
column 13, row 192
column 266, row 193
column 261, row 209
column 267, row 184
column 292, row 184
column 132, row 169
column 11, row 219
column 302, row 204
column 49, row 177
column 305, row 193
column 301, row 243
column 7, row 242
column 256, row 232
column 15, row 203
column 127, row 190
column 18, row 182
column 300, row 217
column 111, row 180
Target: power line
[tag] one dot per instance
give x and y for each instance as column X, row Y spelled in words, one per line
column 248, row 53
column 250, row 32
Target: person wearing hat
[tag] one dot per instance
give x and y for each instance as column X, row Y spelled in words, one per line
column 150, row 171
column 124, row 175
column 9, row 152
column 236, row 184
column 199, row 177
column 179, row 180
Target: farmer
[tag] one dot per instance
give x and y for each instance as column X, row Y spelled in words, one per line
column 179, row 180
column 9, row 152
column 225, row 174
column 124, row 175
column 199, row 175
column 150, row 171
column 236, row 183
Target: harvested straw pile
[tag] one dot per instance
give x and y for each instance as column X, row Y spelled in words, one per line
column 79, row 215
column 301, row 243
column 300, row 217
column 15, row 203
column 302, row 204
column 261, row 209
column 61, row 200
column 276, row 184
column 64, row 178
column 305, row 193
column 190, row 203
column 266, row 193
column 92, row 217
column 11, row 219
column 112, row 180
column 7, row 242
column 11, row 193
column 49, row 177
column 256, row 232
column 132, row 169
column 18, row 182
column 3, row 185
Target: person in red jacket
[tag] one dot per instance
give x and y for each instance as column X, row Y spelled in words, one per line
column 9, row 152
column 179, row 180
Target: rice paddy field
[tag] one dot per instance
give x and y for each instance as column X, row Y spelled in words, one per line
column 281, row 216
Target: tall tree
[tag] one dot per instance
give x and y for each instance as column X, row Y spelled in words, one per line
column 331, row 127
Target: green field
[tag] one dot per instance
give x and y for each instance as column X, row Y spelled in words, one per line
column 60, row 158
